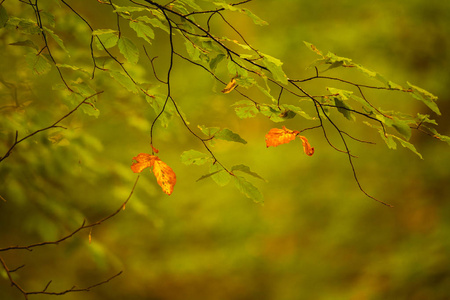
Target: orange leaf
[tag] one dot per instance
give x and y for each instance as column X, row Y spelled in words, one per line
column 164, row 175
column 306, row 146
column 230, row 86
column 276, row 136
column 154, row 149
column 144, row 160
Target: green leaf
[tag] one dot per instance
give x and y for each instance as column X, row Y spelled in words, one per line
column 297, row 110
column 235, row 70
column 157, row 102
column 26, row 43
column 208, row 131
column 192, row 4
column 154, row 22
column 272, row 112
column 49, row 18
column 248, row 189
column 57, row 39
column 108, row 38
column 228, row 135
column 402, row 127
column 274, row 66
column 192, row 50
column 128, row 9
column 143, row 31
column 245, row 109
column 194, row 157
column 124, row 80
column 128, row 49
column 104, row 31
column 439, row 136
column 426, row 97
column 313, row 48
column 220, row 176
column 257, row 20
column 3, row 16
column 407, row 145
column 246, row 169
column 344, row 109
column 38, row 64
column 215, row 61
column 208, row 175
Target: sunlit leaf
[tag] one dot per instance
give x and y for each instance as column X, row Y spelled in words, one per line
column 276, row 136
column 306, row 146
column 124, row 80
column 274, row 66
column 165, row 176
column 3, row 16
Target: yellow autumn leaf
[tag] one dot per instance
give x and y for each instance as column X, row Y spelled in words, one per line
column 230, row 86
column 165, row 176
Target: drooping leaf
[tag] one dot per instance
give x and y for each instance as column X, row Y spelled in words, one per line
column 56, row 38
column 215, row 61
column 402, row 127
column 108, row 38
column 257, row 20
column 439, row 136
column 3, row 16
column 165, row 176
column 220, row 176
column 306, row 146
column 143, row 31
column 194, row 157
column 38, row 64
column 246, row 169
column 426, row 97
column 128, row 9
column 208, row 175
column 124, row 80
column 408, row 145
column 143, row 160
column 275, row 67
column 230, row 86
column 248, row 189
column 276, row 136
column 154, row 22
column 128, row 49
column 228, row 135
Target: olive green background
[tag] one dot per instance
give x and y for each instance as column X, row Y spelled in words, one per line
column 316, row 237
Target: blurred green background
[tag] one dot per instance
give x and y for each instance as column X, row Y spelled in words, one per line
column 316, row 237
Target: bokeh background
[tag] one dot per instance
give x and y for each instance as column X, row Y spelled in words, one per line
column 316, row 237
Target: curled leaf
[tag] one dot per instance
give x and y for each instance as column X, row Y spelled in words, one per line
column 164, row 174
column 276, row 136
column 230, row 86
column 306, row 146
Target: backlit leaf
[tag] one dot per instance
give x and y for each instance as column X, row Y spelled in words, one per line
column 3, row 16
column 245, row 109
column 248, row 189
column 276, row 136
column 220, row 176
column 124, row 80
column 128, row 49
column 246, row 169
column 194, row 157
column 38, row 64
column 274, row 66
column 143, row 31
column 426, row 97
column 165, row 176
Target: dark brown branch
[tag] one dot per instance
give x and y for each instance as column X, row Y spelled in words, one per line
column 54, row 125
